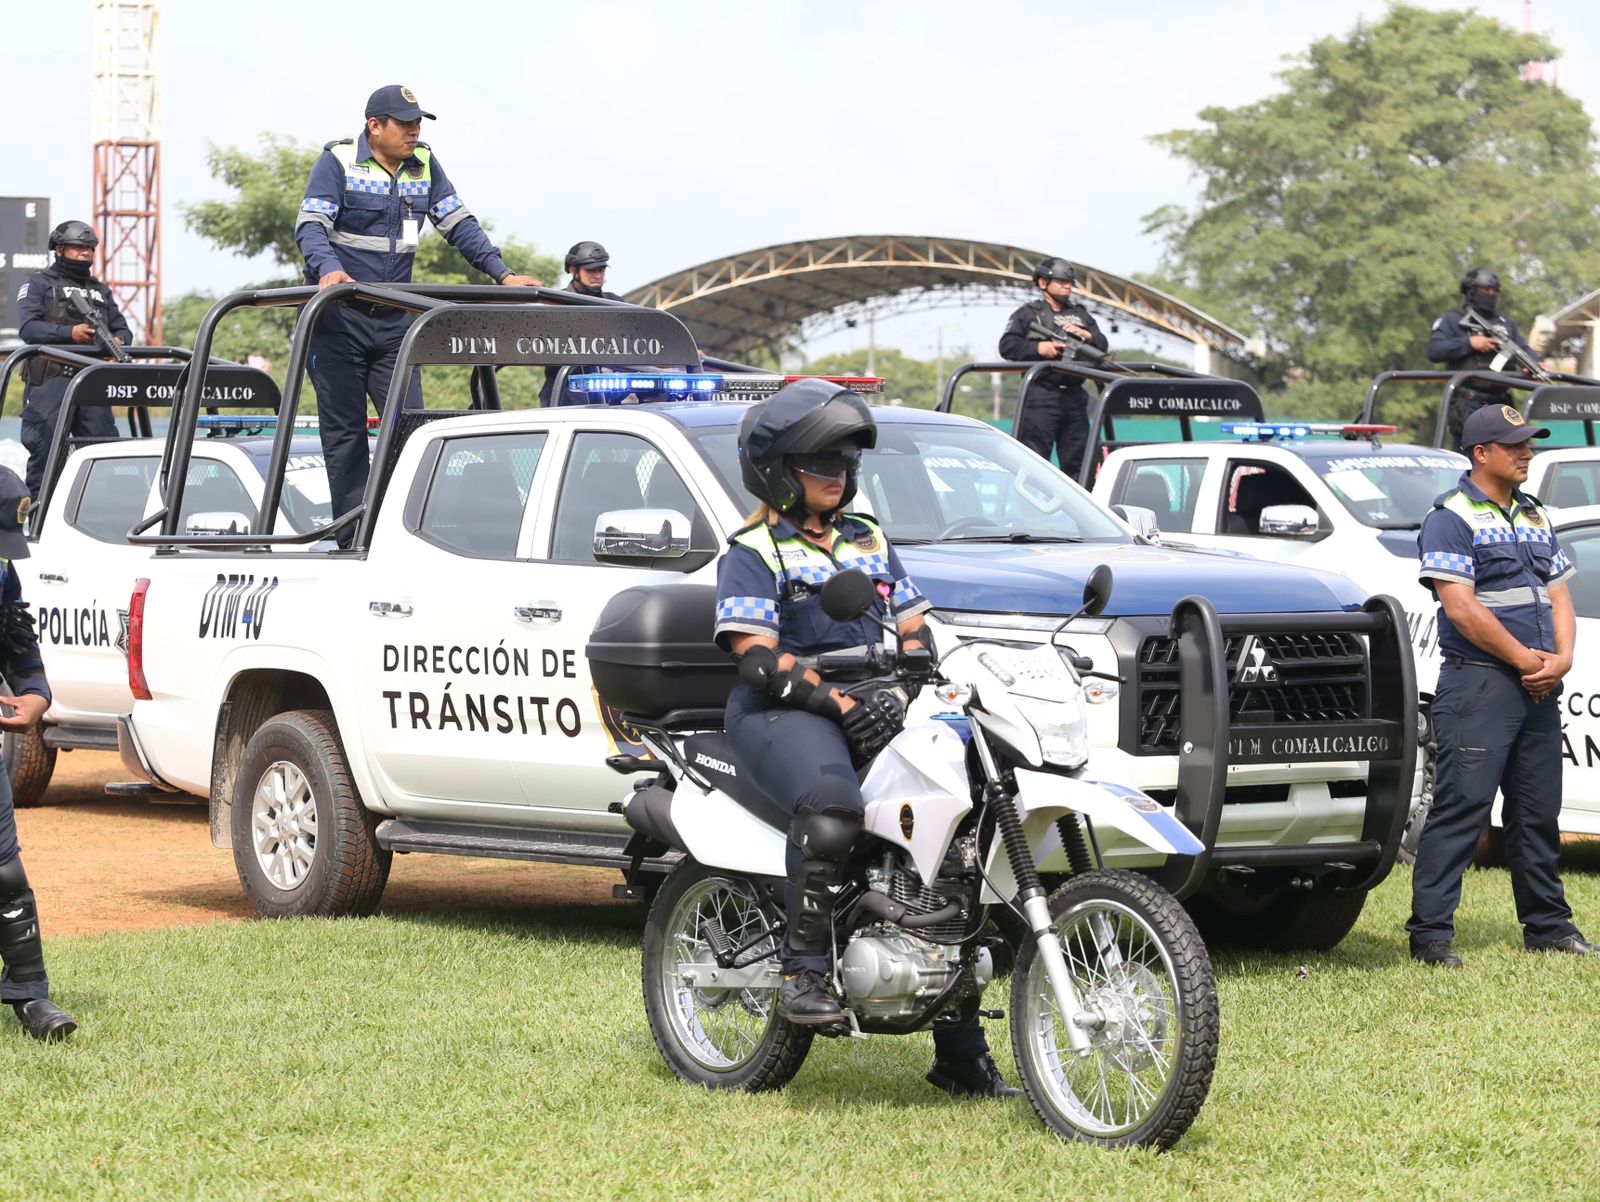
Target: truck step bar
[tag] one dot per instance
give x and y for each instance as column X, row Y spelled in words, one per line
column 79, row 738
column 513, row 843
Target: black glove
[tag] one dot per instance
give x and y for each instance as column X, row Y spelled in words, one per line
column 871, row 722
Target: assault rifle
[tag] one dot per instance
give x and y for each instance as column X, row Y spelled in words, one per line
column 102, row 333
column 1507, row 348
column 1075, row 348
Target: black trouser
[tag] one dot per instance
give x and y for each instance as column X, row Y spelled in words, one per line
column 353, row 350
column 1491, row 735
column 801, row 760
column 1059, row 421
column 41, row 411
column 24, row 976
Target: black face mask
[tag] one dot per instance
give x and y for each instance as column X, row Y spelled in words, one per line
column 76, row 270
column 1484, row 300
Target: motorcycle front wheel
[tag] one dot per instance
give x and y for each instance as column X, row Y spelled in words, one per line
column 1149, row 1001
column 721, row 1038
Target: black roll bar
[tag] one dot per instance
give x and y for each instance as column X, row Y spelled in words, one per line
column 1207, row 740
column 1452, row 380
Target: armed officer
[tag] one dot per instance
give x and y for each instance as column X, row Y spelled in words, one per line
column 24, row 985
column 586, row 263
column 1055, row 412
column 48, row 317
column 1454, row 342
column 799, row 737
column 1506, row 632
column 361, row 219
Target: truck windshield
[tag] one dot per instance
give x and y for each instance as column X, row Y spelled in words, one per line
column 1391, row 491
column 937, row 482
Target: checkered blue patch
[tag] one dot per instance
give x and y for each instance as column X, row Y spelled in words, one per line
column 905, row 593
column 415, row 187
column 748, row 609
column 1534, row 534
column 1486, row 535
column 366, row 183
column 872, row 565
column 1560, row 565
column 445, row 207
column 1445, row 561
column 312, row 204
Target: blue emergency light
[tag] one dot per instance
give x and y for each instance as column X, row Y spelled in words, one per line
column 605, row 385
column 1267, row 431
column 236, row 423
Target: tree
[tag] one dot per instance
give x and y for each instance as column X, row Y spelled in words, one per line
column 259, row 219
column 1338, row 215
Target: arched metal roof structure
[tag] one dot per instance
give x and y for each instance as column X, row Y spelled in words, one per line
column 762, row 298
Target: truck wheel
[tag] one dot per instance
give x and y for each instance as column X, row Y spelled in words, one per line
column 29, row 765
column 1286, row 920
column 302, row 841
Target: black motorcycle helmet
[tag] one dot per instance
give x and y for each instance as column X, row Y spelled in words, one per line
column 73, row 233
column 808, row 417
column 1481, row 288
column 586, row 254
column 1054, row 269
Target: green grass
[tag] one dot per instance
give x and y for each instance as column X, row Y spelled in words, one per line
column 461, row 1056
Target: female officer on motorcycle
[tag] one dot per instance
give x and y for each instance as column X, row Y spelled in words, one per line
column 798, row 737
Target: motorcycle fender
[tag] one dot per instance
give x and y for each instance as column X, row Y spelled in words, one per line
column 1046, row 796
column 720, row 833
column 917, row 793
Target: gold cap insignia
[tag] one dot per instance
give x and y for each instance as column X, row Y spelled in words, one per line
column 1512, row 415
column 408, row 95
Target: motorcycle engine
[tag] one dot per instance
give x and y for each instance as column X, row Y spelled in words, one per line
column 890, row 972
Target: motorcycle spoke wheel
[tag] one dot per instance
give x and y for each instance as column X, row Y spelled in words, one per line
column 1149, row 1006
column 723, row 1038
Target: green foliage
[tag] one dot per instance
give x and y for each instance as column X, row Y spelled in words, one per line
column 504, row 1053
column 259, row 219
column 1338, row 215
column 907, row 381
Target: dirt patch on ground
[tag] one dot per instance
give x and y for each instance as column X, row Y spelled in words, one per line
column 101, row 864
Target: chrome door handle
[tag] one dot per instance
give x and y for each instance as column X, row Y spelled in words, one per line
column 539, row 611
column 51, row 578
column 389, row 609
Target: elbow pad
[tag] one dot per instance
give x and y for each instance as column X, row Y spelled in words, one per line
column 758, row 668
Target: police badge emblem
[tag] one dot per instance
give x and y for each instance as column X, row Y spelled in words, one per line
column 408, row 95
column 867, row 541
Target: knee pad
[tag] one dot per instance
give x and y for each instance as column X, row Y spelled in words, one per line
column 13, row 880
column 825, row 835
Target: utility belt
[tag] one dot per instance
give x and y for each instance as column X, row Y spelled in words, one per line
column 39, row 369
column 374, row 309
column 1459, row 661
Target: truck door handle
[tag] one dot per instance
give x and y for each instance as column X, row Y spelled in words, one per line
column 539, row 611
column 389, row 609
column 51, row 578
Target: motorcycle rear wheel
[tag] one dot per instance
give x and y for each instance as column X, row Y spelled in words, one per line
column 718, row 1038
column 1140, row 967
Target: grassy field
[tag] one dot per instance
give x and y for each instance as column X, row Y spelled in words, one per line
column 458, row 1057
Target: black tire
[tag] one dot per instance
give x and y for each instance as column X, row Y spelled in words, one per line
column 29, row 765
column 1163, row 984
column 771, row 1050
column 1284, row 920
column 333, row 869
column 1491, row 849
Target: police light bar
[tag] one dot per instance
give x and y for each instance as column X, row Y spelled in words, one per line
column 235, row 423
column 604, row 385
column 1267, row 431
column 755, row 388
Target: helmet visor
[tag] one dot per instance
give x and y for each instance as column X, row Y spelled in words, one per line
column 829, row 465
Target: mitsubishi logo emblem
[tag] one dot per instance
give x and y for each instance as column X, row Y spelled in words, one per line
column 1253, row 666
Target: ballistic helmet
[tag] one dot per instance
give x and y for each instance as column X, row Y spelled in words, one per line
column 1479, row 277
column 586, row 254
column 808, row 417
column 73, row 233
column 1054, row 269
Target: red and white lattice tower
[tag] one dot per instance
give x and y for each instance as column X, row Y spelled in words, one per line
column 127, row 160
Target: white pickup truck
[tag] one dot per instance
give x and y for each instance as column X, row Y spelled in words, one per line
column 79, row 575
column 428, row 689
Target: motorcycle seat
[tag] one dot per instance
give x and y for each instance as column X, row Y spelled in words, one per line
column 711, row 756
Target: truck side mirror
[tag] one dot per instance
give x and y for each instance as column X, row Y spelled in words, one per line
column 1288, row 521
column 1141, row 519
column 623, row 535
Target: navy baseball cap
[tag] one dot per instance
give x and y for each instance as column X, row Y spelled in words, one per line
column 14, row 505
column 1499, row 423
column 397, row 101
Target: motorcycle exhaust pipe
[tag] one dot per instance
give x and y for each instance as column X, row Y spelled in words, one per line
column 876, row 905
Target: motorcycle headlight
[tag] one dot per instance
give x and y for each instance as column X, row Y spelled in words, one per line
column 1062, row 727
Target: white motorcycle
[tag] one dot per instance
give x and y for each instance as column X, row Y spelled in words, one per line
column 1113, row 1003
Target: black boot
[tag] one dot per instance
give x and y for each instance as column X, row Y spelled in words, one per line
column 975, row 1078
column 44, row 1020
column 806, row 1000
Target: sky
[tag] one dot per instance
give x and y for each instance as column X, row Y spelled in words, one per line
column 677, row 133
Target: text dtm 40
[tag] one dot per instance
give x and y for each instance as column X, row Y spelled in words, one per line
column 428, row 689
column 1345, row 498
